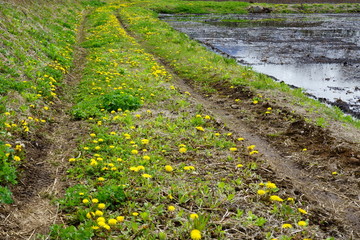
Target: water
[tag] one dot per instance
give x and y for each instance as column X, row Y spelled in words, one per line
column 319, row 53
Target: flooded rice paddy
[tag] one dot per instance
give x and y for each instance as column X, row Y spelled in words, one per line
column 319, row 53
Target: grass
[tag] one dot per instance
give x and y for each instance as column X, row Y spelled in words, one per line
column 37, row 53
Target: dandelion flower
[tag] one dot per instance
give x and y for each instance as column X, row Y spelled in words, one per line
column 261, row 192
column 182, row 150
column 207, row 117
column 135, row 214
column 168, row 168
column 101, row 179
column 302, row 223
column 101, row 206
column 195, row 234
column 95, row 200
column 145, row 141
column 147, row 158
column 95, row 227
column 241, row 139
column 270, row 185
column 302, row 211
column 200, row 129
column 120, row 218
column 145, row 175
column 99, row 213
column 72, row 159
column 134, row 151
column 287, row 225
column 17, row 158
column 251, row 147
column 239, row 166
column 233, row 149
column 276, row 198
column 112, row 221
column 189, row 168
column 171, row 208
column 194, row 216
column 85, row 201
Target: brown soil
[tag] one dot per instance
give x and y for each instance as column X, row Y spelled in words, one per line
column 42, row 175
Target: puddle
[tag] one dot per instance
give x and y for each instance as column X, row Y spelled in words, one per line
column 319, row 53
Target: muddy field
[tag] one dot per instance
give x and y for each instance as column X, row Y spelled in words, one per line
column 319, row 53
column 291, row 1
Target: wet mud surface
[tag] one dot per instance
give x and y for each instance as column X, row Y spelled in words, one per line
column 319, row 53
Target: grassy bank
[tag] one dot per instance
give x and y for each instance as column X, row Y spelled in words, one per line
column 36, row 54
column 237, row 7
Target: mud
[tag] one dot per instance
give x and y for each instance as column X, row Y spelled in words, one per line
column 319, row 53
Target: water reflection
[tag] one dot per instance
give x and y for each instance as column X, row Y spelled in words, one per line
column 319, row 53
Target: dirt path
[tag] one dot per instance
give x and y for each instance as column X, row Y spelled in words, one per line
column 42, row 177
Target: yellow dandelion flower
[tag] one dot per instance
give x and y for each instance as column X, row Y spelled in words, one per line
column 17, row 158
column 194, row 216
column 233, row 149
column 72, row 159
column 241, row 139
column 276, row 198
column 287, row 225
column 120, row 218
column 101, row 179
column 168, row 168
column 195, row 234
column 95, row 227
column 135, row 214
column 189, row 168
column 134, row 151
column 261, row 192
column 253, row 152
column 112, row 221
column 182, row 150
column 270, row 185
column 145, row 141
column 95, row 200
column 98, row 213
column 251, row 147
column 200, row 129
column 302, row 223
column 147, row 158
column 171, row 208
column 85, row 201
column 92, row 135
column 145, row 175
column 302, row 211
column 239, row 166
column 101, row 206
